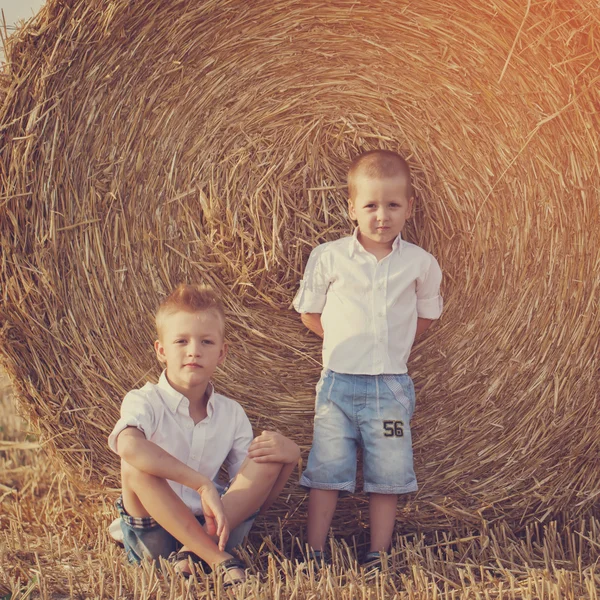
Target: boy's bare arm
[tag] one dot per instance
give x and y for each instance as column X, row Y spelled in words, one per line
column 313, row 322
column 422, row 326
column 146, row 456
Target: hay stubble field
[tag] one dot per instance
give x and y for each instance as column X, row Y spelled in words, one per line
column 54, row 544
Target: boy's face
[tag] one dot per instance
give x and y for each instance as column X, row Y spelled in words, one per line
column 192, row 346
column 381, row 207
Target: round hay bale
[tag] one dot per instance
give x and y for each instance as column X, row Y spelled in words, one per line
column 150, row 143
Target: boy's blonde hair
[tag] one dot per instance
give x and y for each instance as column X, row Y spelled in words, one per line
column 379, row 164
column 190, row 298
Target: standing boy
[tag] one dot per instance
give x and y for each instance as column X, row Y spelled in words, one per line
column 368, row 295
column 173, row 437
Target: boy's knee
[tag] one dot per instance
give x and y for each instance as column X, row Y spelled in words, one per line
column 265, row 469
column 130, row 476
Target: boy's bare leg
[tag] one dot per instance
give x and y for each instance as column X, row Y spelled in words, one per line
column 147, row 495
column 321, row 506
column 250, row 489
column 382, row 515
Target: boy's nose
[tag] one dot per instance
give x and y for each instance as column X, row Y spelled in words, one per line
column 194, row 349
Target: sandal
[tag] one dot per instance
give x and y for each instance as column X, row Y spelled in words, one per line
column 318, row 556
column 231, row 564
column 372, row 562
column 186, row 555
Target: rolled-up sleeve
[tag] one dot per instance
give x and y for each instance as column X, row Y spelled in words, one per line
column 136, row 411
column 241, row 443
column 312, row 295
column 429, row 302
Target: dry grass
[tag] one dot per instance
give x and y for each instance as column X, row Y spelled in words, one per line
column 54, row 544
column 147, row 143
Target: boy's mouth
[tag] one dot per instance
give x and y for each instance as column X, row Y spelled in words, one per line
column 193, row 365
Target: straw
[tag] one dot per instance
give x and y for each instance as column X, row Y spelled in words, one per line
column 55, row 544
column 146, row 144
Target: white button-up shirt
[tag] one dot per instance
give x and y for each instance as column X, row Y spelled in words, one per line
column 369, row 308
column 163, row 415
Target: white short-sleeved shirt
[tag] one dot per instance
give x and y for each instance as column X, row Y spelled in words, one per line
column 369, row 308
column 162, row 414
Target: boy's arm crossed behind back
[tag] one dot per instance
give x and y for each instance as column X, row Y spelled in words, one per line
column 313, row 322
column 312, row 294
column 422, row 326
column 429, row 301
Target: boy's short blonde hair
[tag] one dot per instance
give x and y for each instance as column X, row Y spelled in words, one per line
column 190, row 298
column 379, row 164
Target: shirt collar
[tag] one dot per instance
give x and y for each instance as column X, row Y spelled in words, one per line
column 173, row 398
column 355, row 245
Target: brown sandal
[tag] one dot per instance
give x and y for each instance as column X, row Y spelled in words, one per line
column 231, row 564
column 186, row 555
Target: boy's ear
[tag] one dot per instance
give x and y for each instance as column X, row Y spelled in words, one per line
column 160, row 351
column 224, row 350
column 351, row 210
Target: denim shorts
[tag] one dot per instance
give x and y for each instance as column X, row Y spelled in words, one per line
column 144, row 538
column 370, row 411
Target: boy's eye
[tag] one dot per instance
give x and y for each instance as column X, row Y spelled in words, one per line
column 210, row 342
column 180, row 341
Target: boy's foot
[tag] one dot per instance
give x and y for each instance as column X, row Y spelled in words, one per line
column 184, row 561
column 115, row 531
column 234, row 571
column 372, row 562
column 318, row 557
column 181, row 562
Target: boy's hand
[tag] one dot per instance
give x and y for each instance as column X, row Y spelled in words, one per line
column 214, row 514
column 313, row 322
column 271, row 446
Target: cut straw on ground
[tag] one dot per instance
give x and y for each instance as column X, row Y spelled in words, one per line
column 55, row 544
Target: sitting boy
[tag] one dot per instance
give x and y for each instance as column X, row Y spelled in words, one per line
column 173, row 437
column 368, row 295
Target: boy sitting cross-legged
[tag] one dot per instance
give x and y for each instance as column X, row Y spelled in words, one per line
column 173, row 437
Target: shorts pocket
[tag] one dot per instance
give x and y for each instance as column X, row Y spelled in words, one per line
column 403, row 390
column 324, row 374
column 324, row 388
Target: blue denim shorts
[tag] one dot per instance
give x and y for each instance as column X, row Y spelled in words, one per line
column 144, row 538
column 370, row 411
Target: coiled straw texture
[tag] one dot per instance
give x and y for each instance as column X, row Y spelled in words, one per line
column 149, row 143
